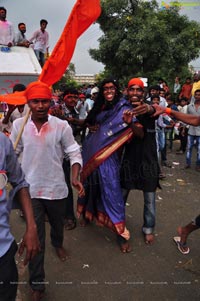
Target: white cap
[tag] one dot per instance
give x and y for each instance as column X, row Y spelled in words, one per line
column 95, row 90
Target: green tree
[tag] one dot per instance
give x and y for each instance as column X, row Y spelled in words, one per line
column 140, row 39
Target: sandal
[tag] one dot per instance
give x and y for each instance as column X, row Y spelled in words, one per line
column 183, row 248
column 70, row 224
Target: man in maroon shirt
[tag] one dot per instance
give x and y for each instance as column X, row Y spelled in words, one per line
column 186, row 89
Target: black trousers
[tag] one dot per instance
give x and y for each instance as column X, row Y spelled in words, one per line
column 69, row 206
column 55, row 212
column 8, row 275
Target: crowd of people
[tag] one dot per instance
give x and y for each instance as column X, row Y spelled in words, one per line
column 97, row 140
column 121, row 138
column 39, row 40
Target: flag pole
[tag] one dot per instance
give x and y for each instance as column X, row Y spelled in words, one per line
column 21, row 129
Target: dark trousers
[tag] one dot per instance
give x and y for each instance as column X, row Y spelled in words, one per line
column 197, row 221
column 183, row 138
column 55, row 212
column 8, row 275
column 69, row 206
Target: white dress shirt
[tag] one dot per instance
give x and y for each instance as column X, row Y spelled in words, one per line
column 43, row 154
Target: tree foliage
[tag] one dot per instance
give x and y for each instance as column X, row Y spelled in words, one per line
column 140, row 39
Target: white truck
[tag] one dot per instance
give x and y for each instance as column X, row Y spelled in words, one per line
column 17, row 65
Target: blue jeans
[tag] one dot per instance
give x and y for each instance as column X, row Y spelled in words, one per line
column 160, row 140
column 40, row 56
column 149, row 213
column 190, row 143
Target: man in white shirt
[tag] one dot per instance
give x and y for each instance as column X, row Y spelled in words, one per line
column 6, row 29
column 45, row 141
column 40, row 38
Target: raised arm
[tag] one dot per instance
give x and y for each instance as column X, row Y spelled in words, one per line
column 187, row 118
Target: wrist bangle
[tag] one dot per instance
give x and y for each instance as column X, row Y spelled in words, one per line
column 168, row 111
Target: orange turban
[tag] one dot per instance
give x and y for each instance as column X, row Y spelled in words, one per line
column 37, row 90
column 136, row 81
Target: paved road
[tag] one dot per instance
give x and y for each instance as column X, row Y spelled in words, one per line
column 98, row 271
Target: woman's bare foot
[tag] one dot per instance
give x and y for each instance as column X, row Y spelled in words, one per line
column 125, row 247
column 123, row 244
column 62, row 254
column 149, row 239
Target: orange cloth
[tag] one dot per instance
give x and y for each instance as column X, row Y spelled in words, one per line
column 136, row 81
column 17, row 98
column 37, row 90
column 34, row 90
column 82, row 16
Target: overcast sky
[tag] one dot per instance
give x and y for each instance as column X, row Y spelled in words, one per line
column 57, row 12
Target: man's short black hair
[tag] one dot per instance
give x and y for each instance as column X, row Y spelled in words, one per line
column 155, row 96
column 70, row 91
column 155, row 87
column 43, row 21
column 183, row 99
column 21, row 23
column 3, row 8
column 19, row 87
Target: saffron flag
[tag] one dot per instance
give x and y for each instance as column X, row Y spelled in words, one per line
column 83, row 14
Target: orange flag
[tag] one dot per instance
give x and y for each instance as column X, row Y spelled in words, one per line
column 84, row 13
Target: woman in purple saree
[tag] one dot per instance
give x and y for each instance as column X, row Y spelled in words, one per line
column 103, row 199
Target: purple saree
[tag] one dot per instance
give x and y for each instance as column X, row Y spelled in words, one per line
column 101, row 164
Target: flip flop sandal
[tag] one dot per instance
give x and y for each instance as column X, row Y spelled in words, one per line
column 183, row 248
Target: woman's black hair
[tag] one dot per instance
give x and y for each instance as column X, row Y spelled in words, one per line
column 100, row 102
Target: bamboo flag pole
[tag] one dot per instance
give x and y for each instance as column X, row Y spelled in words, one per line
column 21, row 129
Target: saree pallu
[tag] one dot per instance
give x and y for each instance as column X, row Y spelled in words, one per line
column 101, row 166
